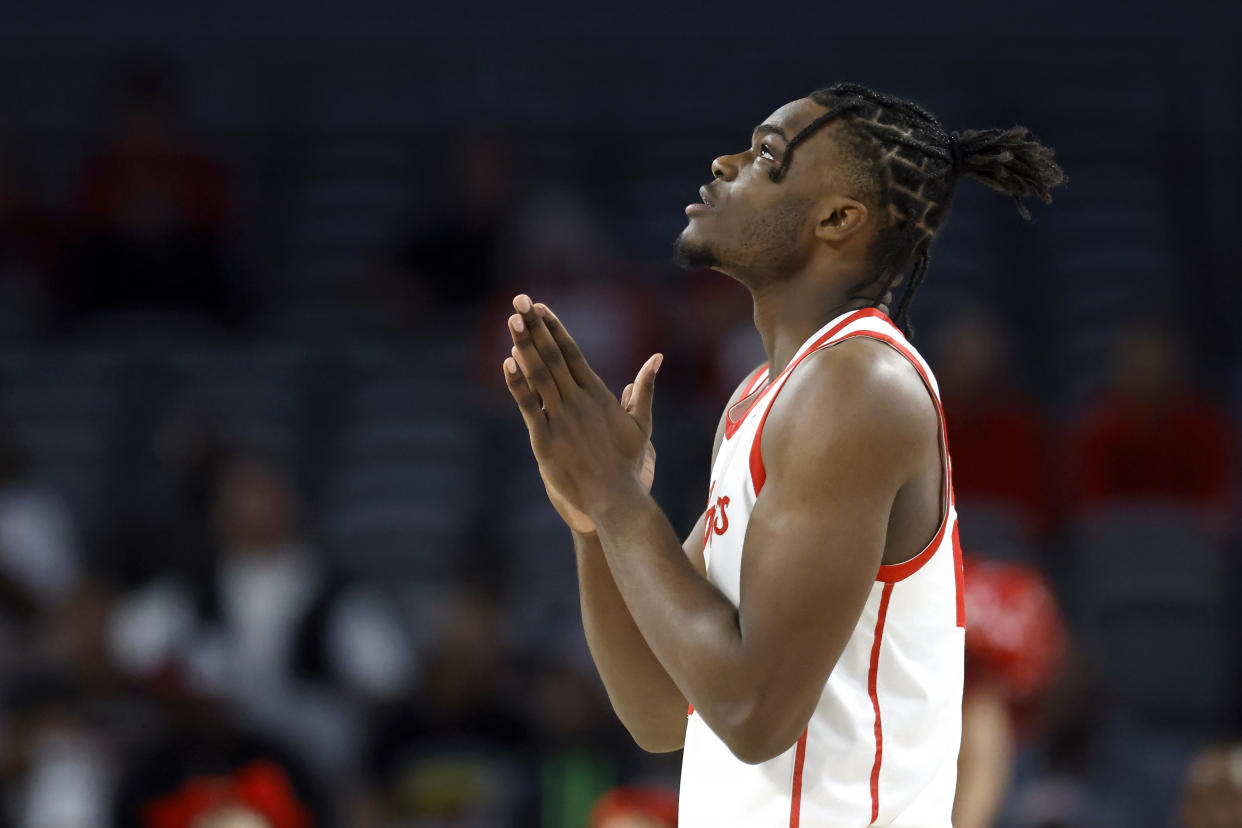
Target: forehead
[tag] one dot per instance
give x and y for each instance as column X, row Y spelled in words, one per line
column 795, row 115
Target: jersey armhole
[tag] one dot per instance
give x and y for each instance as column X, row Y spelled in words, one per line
column 888, row 573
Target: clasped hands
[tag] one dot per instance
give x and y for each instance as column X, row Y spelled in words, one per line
column 593, row 450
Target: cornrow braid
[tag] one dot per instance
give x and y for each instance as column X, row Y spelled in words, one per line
column 915, row 165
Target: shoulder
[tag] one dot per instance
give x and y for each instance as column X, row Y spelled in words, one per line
column 862, row 392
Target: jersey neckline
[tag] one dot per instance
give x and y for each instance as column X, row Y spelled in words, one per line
column 761, row 389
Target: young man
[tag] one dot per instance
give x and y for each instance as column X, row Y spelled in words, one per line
column 812, row 623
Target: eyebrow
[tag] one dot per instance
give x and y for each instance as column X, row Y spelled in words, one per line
column 770, row 129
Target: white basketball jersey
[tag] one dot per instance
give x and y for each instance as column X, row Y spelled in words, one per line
column 881, row 747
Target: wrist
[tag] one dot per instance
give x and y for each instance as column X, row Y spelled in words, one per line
column 622, row 503
column 589, row 536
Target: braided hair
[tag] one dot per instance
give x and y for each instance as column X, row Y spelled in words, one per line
column 912, row 165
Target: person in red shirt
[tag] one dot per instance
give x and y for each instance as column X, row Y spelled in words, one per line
column 153, row 209
column 29, row 238
column 1151, row 434
column 635, row 807
column 258, row 795
column 997, row 434
column 1016, row 650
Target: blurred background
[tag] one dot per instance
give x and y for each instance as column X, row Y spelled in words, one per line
column 272, row 548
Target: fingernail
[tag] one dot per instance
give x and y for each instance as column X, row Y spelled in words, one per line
column 522, row 303
column 659, row 360
column 517, row 324
column 541, row 309
column 511, row 365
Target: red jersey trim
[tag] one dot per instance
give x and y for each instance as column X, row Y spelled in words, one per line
column 872, row 675
column 960, row 577
column 889, row 573
column 795, row 800
column 758, row 475
column 732, row 427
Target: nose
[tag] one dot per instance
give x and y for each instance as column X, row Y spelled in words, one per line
column 724, row 167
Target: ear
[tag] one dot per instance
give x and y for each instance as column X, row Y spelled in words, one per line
column 842, row 218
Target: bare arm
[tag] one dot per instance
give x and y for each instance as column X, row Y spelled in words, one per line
column 814, row 542
column 815, row 539
column 985, row 764
column 645, row 698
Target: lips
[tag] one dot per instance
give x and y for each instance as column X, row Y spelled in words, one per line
column 703, row 194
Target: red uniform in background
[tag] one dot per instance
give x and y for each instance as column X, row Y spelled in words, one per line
column 1152, row 435
column 1016, row 640
column 1179, row 448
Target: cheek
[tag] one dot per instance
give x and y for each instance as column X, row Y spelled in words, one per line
column 780, row 224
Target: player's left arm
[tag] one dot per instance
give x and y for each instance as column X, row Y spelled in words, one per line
column 835, row 463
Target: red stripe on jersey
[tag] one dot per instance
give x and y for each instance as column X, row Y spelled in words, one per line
column 875, row 699
column 757, row 473
column 889, row 573
column 897, row 572
column 732, row 425
column 960, row 576
column 795, row 802
column 690, row 711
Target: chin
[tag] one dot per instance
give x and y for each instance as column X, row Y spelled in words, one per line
column 692, row 253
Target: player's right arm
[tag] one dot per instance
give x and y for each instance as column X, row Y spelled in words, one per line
column 646, row 700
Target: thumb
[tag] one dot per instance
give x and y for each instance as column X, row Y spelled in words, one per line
column 644, row 391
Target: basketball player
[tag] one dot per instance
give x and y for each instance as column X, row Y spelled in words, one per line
column 812, row 624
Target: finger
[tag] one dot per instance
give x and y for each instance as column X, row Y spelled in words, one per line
column 625, row 396
column 574, row 358
column 533, row 367
column 525, row 398
column 517, row 357
column 644, row 392
column 544, row 343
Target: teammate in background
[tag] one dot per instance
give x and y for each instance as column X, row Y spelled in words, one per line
column 1016, row 648
column 813, row 621
column 635, row 808
column 1213, row 791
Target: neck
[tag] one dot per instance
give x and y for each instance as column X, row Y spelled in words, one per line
column 788, row 313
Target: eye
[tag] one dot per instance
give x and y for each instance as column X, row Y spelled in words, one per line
column 765, row 151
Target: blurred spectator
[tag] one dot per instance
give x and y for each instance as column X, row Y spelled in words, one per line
column 267, row 626
column 450, row 257
column 635, row 808
column 39, row 557
column 559, row 254
column 56, row 765
column 256, row 796
column 198, row 766
column 457, row 754
column 1213, row 794
column 1015, row 649
column 580, row 747
column 997, row 434
column 29, row 241
column 154, row 210
column 1152, row 435
column 174, row 513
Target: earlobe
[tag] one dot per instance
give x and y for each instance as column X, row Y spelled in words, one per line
column 845, row 219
